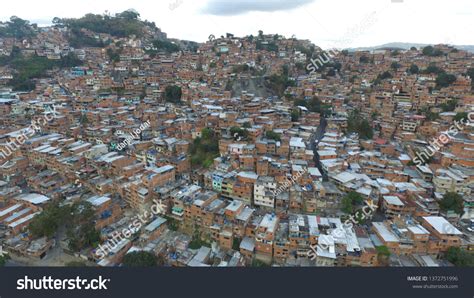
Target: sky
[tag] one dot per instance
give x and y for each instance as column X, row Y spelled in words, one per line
column 327, row 23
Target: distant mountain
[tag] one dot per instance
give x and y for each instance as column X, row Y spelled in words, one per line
column 407, row 46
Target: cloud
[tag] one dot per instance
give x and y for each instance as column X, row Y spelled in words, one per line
column 236, row 7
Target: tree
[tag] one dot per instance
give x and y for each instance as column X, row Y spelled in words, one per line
column 365, row 130
column 356, row 123
column 460, row 257
column 433, row 69
column 16, row 52
column 28, row 68
column 139, row 259
column 76, row 264
column 272, row 135
column 449, row 106
column 122, row 24
column 444, row 80
column 240, row 68
column 69, row 60
column 430, row 51
column 386, row 75
column 452, row 202
column 414, row 69
column 129, row 14
column 113, row 55
column 239, row 133
column 364, row 59
column 350, row 200
column 331, row 73
column 173, row 94
column 83, row 119
column 204, row 149
column 395, row 65
column 431, row 116
column 48, row 221
column 347, row 205
column 459, row 116
column 313, row 105
column 78, row 39
column 17, row 28
column 56, row 21
column 383, row 255
column 279, row 83
column 374, row 115
column 258, row 263
column 246, row 125
column 3, row 260
column 172, row 224
column 470, row 73
column 295, row 114
column 80, row 226
column 236, row 244
column 166, row 46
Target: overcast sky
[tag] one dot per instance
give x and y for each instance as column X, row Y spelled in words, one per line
column 327, row 23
